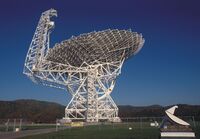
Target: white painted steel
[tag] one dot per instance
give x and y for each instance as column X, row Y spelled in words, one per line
column 86, row 66
column 170, row 114
column 172, row 109
column 177, row 134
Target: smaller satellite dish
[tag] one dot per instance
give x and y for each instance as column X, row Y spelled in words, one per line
column 170, row 114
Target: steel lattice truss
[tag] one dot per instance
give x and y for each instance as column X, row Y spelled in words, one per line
column 86, row 66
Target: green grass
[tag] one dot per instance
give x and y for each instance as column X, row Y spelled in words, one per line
column 115, row 131
column 27, row 127
column 32, row 127
column 102, row 132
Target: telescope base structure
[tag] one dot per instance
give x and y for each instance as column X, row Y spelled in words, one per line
column 91, row 100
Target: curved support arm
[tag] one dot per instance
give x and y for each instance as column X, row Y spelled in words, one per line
column 40, row 42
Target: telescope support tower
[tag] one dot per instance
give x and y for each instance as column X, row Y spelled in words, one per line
column 85, row 66
column 91, row 100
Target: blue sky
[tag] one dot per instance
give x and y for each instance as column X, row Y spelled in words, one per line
column 166, row 71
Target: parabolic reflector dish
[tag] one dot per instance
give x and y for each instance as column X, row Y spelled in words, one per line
column 103, row 46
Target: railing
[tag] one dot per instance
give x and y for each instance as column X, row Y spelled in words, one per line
column 13, row 125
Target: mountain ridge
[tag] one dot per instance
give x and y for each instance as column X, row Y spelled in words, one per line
column 46, row 112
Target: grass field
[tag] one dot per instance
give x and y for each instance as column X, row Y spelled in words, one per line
column 102, row 132
column 116, row 131
column 27, row 127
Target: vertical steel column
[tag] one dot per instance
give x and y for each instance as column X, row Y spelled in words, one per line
column 92, row 102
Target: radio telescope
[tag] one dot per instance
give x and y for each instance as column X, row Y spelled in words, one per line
column 86, row 66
